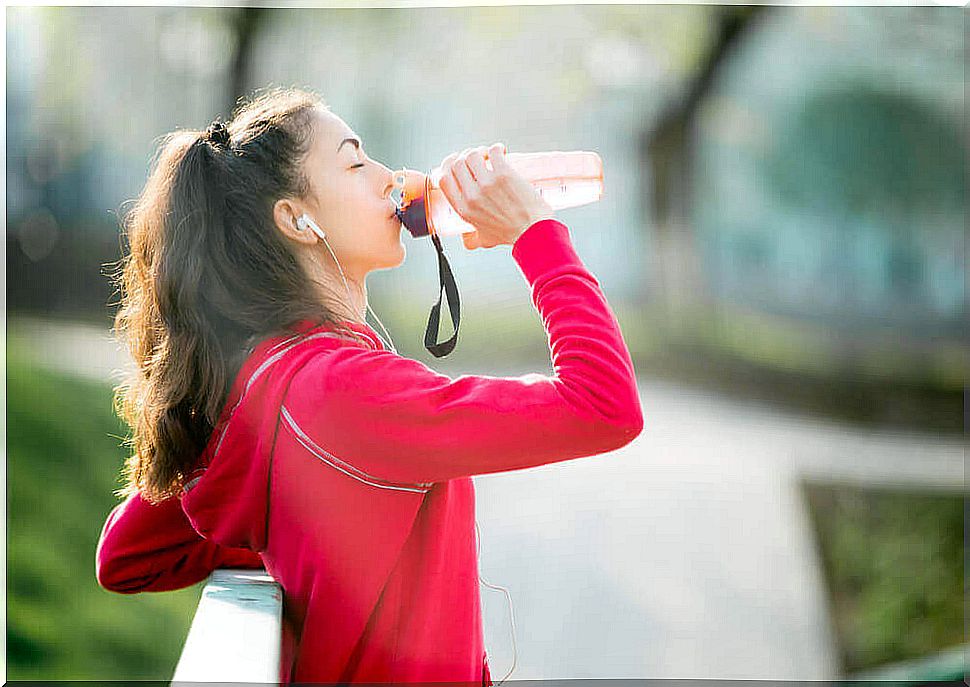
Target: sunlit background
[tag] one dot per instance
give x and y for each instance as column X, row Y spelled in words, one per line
column 781, row 237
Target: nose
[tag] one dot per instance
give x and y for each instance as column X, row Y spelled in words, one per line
column 390, row 182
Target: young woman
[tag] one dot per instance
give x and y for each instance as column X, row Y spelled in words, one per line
column 271, row 426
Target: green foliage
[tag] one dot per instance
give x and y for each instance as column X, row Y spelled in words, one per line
column 862, row 151
column 894, row 565
column 63, row 461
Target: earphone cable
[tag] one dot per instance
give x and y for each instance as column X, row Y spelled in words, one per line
column 508, row 596
column 388, row 342
column 351, row 300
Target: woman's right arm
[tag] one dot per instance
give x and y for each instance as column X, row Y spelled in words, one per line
column 145, row 547
column 393, row 418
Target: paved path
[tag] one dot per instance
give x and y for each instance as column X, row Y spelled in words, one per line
column 687, row 554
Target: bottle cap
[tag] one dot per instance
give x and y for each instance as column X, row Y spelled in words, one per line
column 411, row 184
column 412, row 211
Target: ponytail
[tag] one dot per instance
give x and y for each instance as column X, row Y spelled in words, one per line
column 207, row 276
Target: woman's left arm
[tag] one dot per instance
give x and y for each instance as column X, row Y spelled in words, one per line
column 153, row 548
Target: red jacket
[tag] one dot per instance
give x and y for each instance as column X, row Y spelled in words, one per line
column 348, row 469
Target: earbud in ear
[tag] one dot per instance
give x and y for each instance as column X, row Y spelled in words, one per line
column 303, row 221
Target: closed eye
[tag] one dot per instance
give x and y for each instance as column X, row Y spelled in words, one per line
column 359, row 164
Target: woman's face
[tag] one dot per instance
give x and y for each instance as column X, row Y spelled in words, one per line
column 350, row 199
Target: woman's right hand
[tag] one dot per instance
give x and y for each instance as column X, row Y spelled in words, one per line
column 498, row 202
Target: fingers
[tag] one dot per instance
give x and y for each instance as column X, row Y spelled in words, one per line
column 463, row 176
column 466, row 170
column 448, row 184
column 448, row 162
column 476, row 163
column 496, row 155
column 468, row 180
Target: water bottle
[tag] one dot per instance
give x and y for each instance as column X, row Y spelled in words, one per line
column 562, row 179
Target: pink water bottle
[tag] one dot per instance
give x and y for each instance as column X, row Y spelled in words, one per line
column 563, row 179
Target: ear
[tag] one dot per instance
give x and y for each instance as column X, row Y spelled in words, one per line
column 285, row 214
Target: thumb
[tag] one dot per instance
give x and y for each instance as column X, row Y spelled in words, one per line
column 470, row 239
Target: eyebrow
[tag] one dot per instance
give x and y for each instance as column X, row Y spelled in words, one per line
column 355, row 141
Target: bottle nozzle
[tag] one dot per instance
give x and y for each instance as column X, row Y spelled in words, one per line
column 399, row 178
column 397, row 184
column 410, row 183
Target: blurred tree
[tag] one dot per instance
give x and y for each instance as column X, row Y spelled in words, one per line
column 665, row 147
column 862, row 150
column 247, row 22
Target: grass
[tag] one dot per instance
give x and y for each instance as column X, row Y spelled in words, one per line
column 894, row 565
column 63, row 459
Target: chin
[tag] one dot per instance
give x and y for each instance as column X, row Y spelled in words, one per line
column 394, row 258
column 402, row 253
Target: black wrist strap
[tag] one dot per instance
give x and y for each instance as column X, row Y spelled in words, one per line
column 450, row 288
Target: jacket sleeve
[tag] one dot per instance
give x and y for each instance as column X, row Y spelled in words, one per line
column 393, row 418
column 153, row 548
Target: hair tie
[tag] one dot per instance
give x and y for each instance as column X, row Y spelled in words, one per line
column 218, row 134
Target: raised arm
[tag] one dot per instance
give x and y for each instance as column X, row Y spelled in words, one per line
column 395, row 419
column 153, row 548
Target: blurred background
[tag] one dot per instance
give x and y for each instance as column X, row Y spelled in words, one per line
column 781, row 238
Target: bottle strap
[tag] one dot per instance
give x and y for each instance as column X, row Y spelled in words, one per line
column 450, row 288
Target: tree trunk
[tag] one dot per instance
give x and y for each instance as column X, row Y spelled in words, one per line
column 246, row 21
column 667, row 150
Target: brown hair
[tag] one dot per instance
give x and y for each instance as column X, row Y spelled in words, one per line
column 207, row 275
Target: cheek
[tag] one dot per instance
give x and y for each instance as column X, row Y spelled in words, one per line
column 362, row 212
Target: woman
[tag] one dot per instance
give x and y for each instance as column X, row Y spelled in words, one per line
column 270, row 419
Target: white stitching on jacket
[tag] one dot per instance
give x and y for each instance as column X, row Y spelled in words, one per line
column 262, row 368
column 343, row 466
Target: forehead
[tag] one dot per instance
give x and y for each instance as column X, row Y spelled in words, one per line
column 329, row 131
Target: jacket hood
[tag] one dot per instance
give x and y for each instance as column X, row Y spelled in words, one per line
column 226, row 497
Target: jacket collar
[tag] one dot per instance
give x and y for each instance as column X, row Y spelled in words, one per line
column 374, row 341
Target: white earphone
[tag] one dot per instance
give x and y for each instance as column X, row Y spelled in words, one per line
column 303, row 221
